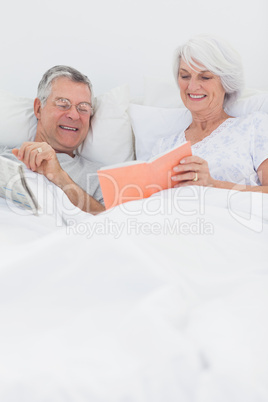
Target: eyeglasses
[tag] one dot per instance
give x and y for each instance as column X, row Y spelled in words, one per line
column 82, row 108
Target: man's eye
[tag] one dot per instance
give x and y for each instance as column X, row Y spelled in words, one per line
column 62, row 104
column 83, row 106
column 63, row 107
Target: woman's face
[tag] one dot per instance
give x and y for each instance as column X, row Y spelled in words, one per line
column 201, row 91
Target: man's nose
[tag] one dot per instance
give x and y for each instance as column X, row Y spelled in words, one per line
column 72, row 113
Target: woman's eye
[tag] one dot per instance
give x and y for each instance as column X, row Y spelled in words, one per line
column 206, row 78
column 184, row 77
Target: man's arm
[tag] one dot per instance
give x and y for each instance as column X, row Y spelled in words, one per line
column 76, row 194
column 40, row 157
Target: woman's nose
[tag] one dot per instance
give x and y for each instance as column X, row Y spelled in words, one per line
column 193, row 84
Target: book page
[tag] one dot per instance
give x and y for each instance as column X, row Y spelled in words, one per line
column 14, row 187
column 122, row 164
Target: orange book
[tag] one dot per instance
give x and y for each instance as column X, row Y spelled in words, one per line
column 135, row 180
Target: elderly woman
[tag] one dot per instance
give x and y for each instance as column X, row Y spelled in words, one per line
column 228, row 152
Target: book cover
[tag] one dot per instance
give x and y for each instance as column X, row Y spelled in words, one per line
column 137, row 179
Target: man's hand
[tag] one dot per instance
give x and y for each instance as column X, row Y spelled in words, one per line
column 40, row 157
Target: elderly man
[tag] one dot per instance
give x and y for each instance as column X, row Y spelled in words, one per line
column 63, row 108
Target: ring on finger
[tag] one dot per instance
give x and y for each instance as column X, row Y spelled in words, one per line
column 39, row 150
column 196, row 177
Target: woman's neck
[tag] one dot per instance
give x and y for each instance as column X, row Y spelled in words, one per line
column 203, row 125
column 207, row 121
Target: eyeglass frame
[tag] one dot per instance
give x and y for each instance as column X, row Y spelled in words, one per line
column 76, row 106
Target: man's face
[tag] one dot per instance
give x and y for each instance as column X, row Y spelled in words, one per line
column 64, row 130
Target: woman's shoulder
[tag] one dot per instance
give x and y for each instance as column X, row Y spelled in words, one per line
column 250, row 121
column 256, row 115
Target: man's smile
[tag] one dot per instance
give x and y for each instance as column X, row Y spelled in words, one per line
column 68, row 128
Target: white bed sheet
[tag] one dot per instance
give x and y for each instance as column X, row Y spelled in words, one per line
column 164, row 299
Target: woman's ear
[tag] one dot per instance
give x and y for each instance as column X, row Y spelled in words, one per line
column 37, row 108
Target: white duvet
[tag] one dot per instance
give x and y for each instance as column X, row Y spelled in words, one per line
column 159, row 300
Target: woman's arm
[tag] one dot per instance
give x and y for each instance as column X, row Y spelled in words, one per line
column 194, row 167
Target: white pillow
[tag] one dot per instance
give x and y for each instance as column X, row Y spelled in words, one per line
column 248, row 104
column 110, row 138
column 161, row 92
column 17, row 119
column 150, row 123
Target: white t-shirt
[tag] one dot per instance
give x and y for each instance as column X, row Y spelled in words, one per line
column 234, row 151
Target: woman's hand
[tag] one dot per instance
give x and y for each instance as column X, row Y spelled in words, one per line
column 192, row 170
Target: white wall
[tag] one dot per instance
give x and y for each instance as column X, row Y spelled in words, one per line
column 121, row 41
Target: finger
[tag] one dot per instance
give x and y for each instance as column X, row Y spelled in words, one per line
column 46, row 155
column 192, row 159
column 189, row 167
column 29, row 155
column 40, row 154
column 31, row 151
column 188, row 183
column 189, row 176
column 33, row 158
column 15, row 152
column 22, row 150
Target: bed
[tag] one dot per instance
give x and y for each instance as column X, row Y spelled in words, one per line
column 162, row 299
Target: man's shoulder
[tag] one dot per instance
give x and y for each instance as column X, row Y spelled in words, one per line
column 7, row 153
column 4, row 148
column 86, row 162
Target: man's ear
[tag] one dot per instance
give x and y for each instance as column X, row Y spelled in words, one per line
column 37, row 108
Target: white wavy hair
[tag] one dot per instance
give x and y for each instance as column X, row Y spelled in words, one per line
column 45, row 85
column 218, row 57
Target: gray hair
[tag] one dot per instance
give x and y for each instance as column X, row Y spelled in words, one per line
column 218, row 57
column 45, row 85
